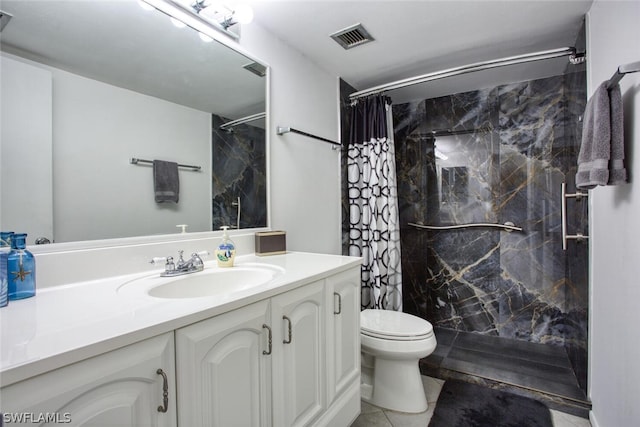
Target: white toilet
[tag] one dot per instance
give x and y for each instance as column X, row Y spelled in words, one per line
column 392, row 343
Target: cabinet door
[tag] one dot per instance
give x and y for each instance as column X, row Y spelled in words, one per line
column 299, row 368
column 343, row 340
column 119, row 388
column 224, row 370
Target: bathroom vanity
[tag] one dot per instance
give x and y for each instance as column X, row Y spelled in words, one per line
column 281, row 351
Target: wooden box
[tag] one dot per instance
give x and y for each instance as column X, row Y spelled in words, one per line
column 271, row 243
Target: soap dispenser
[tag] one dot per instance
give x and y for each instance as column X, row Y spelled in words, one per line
column 226, row 251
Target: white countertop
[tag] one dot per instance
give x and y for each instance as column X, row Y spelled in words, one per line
column 69, row 323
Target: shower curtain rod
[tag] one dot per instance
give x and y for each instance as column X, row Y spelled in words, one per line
column 478, row 66
column 242, row 120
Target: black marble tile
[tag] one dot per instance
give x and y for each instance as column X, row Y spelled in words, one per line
column 518, row 286
column 544, row 378
column 540, row 354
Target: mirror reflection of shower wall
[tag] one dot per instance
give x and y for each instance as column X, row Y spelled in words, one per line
column 239, row 175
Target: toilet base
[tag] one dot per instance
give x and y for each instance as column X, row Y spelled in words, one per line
column 396, row 385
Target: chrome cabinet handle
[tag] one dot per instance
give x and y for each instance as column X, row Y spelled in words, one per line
column 288, row 341
column 165, row 391
column 335, row 294
column 270, row 340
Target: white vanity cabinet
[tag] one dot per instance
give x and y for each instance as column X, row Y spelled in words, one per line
column 224, row 369
column 299, row 362
column 286, row 356
column 343, row 291
column 272, row 363
column 119, row 388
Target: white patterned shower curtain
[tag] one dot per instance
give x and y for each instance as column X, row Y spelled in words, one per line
column 374, row 229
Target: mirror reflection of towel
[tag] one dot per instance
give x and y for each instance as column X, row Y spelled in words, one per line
column 166, row 184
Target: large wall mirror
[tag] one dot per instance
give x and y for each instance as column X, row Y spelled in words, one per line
column 89, row 85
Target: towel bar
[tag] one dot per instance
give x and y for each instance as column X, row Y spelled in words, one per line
column 135, row 161
column 282, row 130
column 578, row 236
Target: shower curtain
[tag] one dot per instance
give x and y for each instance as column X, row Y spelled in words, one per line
column 374, row 229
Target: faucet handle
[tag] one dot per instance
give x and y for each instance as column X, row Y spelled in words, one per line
column 168, row 260
column 195, row 260
column 170, row 266
column 202, row 254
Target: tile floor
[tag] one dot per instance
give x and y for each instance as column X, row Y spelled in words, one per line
column 372, row 416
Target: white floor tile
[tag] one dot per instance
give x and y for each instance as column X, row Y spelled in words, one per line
column 560, row 419
column 432, row 387
column 373, row 419
column 367, row 408
column 402, row 419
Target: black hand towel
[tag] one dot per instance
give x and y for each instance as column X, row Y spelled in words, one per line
column 166, row 184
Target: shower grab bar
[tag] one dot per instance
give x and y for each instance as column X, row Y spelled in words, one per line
column 578, row 236
column 633, row 67
column 135, row 161
column 282, row 130
column 507, row 226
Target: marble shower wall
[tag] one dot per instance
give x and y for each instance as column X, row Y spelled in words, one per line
column 239, row 170
column 512, row 147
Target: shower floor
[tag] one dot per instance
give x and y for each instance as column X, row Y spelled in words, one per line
column 534, row 370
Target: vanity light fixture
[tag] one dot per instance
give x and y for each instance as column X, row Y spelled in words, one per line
column 206, row 15
column 222, row 13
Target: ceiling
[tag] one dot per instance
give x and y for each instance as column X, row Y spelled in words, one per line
column 117, row 42
column 422, row 36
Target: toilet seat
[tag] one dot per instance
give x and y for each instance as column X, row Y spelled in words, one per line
column 394, row 325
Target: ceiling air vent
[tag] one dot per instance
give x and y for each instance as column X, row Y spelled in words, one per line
column 353, row 36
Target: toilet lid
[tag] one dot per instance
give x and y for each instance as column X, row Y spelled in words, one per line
column 394, row 325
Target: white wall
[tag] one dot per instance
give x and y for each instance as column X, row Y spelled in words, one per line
column 613, row 38
column 98, row 194
column 26, row 199
column 94, row 129
column 305, row 173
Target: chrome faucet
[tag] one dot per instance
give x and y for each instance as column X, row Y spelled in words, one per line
column 193, row 265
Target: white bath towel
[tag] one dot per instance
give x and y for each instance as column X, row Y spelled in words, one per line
column 600, row 161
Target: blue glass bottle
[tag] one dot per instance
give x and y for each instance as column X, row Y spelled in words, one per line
column 21, row 269
column 5, row 245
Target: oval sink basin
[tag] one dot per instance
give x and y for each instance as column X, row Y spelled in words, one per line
column 206, row 283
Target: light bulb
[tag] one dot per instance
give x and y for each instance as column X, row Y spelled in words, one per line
column 243, row 13
column 177, row 22
column 145, row 5
column 205, row 38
